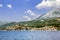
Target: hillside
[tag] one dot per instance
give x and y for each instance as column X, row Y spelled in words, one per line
column 29, row 25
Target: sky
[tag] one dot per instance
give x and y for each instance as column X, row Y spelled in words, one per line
column 25, row 10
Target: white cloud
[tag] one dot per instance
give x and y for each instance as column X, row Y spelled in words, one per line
column 1, row 5
column 49, row 3
column 30, row 12
column 27, row 18
column 9, row 5
column 32, row 15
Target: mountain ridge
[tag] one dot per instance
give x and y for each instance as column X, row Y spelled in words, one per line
column 55, row 13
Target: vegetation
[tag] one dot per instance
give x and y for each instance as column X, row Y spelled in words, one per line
column 31, row 24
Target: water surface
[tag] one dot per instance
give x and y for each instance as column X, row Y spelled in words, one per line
column 29, row 35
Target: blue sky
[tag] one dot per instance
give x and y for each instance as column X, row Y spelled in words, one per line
column 16, row 10
column 22, row 10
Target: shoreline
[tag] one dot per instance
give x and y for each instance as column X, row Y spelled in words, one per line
column 33, row 29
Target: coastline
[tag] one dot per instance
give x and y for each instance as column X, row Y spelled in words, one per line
column 46, row 28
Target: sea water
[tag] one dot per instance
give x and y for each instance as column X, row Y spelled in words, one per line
column 29, row 35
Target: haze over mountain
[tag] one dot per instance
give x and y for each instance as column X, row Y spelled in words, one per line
column 55, row 13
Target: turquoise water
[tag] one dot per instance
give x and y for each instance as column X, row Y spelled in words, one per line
column 29, row 35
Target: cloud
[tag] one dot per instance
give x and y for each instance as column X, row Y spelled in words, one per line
column 48, row 3
column 9, row 5
column 30, row 12
column 27, row 18
column 1, row 5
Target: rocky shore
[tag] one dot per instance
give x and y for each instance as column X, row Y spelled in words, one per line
column 46, row 28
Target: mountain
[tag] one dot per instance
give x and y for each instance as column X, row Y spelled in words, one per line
column 55, row 13
column 3, row 22
column 38, row 23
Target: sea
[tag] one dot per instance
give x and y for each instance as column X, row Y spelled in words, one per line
column 30, row 35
